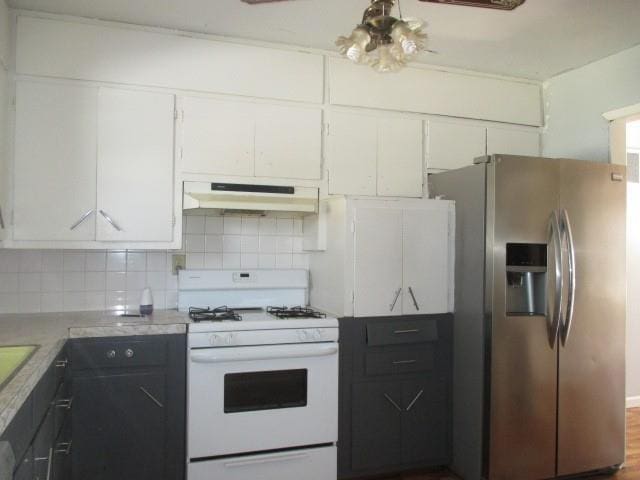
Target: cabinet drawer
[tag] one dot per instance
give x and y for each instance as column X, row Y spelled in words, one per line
column 395, row 332
column 408, row 360
column 91, row 354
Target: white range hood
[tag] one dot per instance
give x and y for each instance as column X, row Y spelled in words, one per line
column 250, row 198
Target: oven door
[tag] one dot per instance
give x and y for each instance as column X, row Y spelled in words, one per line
column 258, row 398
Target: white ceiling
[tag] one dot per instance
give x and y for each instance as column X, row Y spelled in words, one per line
column 537, row 40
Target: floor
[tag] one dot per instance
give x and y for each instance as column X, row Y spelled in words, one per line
column 630, row 472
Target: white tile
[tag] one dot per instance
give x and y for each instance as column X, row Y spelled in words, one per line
column 213, row 243
column 95, row 281
column 300, row 260
column 231, row 244
column 232, row 225
column 156, row 280
column 156, row 261
column 51, row 302
column 298, row 243
column 171, row 281
column 9, row 261
column 74, row 301
column 96, row 300
column 268, row 226
column 212, row 260
column 249, row 260
column 250, row 225
column 116, row 281
column 133, row 300
column 195, row 224
column 268, row 244
column 172, row 300
column 285, row 245
column 52, row 261
column 8, row 302
column 136, row 280
column 30, row 261
column 29, row 302
column 284, row 260
column 297, row 226
column 115, row 300
column 267, row 260
column 159, row 300
column 214, row 225
column 136, row 261
column 52, row 282
column 9, row 283
column 195, row 260
column 285, row 226
column 194, row 243
column 73, row 281
column 230, row 260
column 29, row 282
column 96, row 262
column 249, row 244
column 73, row 261
column 116, row 261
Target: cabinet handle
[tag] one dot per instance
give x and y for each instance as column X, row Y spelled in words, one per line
column 62, row 363
column 413, row 297
column 395, row 299
column 81, row 219
column 64, row 447
column 153, row 399
column 65, row 403
column 400, row 332
column 49, row 460
column 111, row 354
column 404, row 362
column 108, row 219
column 413, row 402
column 392, row 402
column 128, row 353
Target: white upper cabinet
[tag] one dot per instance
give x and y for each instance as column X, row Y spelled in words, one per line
column 452, row 145
column 217, row 137
column 377, row 262
column 353, row 149
column 135, row 166
column 513, row 141
column 55, row 162
column 373, row 155
column 288, row 142
column 400, row 157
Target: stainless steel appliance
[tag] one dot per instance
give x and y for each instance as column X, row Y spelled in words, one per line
column 262, row 377
column 539, row 332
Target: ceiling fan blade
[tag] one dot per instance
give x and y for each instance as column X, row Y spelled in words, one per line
column 497, row 4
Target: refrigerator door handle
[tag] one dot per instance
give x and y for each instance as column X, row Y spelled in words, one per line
column 565, row 226
column 554, row 312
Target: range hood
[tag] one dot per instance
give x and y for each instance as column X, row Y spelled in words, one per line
column 250, row 198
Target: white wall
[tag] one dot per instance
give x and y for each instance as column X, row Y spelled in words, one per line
column 576, row 100
column 633, row 293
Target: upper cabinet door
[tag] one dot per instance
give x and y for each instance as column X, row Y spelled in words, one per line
column 55, row 162
column 135, row 166
column 400, row 157
column 454, row 145
column 288, row 142
column 353, row 149
column 218, row 137
column 378, row 262
column 513, row 141
column 426, row 261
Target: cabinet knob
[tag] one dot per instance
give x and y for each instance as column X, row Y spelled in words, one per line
column 111, row 354
column 128, row 353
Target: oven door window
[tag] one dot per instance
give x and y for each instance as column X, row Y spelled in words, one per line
column 253, row 391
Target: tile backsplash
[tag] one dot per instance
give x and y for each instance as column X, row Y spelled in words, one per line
column 71, row 280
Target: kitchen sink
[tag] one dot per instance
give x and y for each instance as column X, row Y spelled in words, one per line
column 12, row 358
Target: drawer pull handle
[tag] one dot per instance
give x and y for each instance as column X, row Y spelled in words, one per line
column 64, row 447
column 404, row 362
column 413, row 402
column 62, row 363
column 392, row 402
column 400, row 332
column 65, row 403
column 111, row 354
column 151, row 397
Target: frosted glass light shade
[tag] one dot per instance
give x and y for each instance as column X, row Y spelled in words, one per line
column 354, row 47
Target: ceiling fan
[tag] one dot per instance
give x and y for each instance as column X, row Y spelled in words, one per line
column 497, row 4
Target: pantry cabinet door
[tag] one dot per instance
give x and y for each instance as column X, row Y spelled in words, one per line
column 55, row 162
column 288, row 142
column 217, row 137
column 135, row 166
column 378, row 262
column 353, row 153
column 426, row 260
column 452, row 145
column 513, row 141
column 400, row 157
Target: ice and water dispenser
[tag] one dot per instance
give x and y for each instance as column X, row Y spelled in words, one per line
column 526, row 278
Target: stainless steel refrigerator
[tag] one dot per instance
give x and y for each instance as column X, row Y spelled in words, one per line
column 539, row 329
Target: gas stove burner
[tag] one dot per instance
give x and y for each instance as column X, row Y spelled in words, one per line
column 218, row 314
column 295, row 312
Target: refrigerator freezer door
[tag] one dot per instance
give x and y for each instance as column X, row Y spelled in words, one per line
column 591, row 396
column 522, row 195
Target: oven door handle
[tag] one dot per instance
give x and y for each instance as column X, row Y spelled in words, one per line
column 239, row 354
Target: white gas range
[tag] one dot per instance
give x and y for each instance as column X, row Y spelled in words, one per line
column 262, row 386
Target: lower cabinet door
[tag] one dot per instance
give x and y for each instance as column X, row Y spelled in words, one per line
column 43, row 448
column 118, row 426
column 61, row 464
column 25, row 470
column 376, row 425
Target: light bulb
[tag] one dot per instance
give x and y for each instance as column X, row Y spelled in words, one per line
column 354, row 47
column 387, row 60
column 407, row 41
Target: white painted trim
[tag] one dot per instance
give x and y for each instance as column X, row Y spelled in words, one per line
column 633, row 402
column 622, row 112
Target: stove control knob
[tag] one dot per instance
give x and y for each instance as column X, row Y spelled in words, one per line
column 303, row 335
column 229, row 338
column 214, row 339
column 317, row 334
